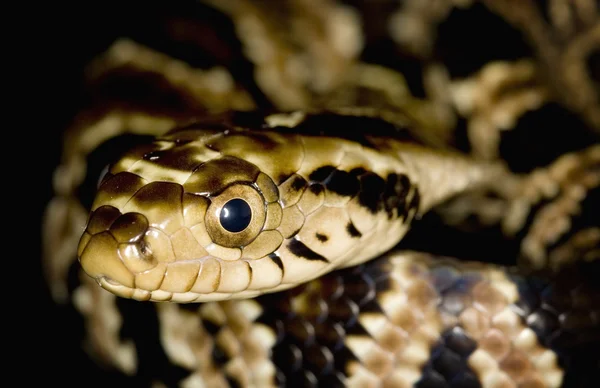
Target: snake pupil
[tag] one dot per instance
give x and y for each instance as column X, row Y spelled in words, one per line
column 235, row 215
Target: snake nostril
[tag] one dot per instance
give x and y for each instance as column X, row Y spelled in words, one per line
column 137, row 256
column 145, row 248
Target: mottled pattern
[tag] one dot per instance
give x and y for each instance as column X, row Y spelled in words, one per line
column 401, row 320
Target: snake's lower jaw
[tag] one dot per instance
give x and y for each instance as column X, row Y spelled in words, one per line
column 131, row 270
column 169, row 296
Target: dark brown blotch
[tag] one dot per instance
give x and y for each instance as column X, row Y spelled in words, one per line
column 299, row 183
column 316, row 188
column 372, row 187
column 343, row 183
column 277, row 260
column 338, row 181
column 321, row 173
column 352, row 231
column 300, row 249
column 214, row 176
column 397, row 186
column 291, row 190
column 155, row 193
column 321, row 237
column 102, row 218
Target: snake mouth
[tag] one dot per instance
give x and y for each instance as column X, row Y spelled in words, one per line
column 196, row 280
column 134, row 259
column 160, row 295
column 199, row 280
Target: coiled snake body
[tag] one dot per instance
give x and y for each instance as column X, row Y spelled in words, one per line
column 274, row 235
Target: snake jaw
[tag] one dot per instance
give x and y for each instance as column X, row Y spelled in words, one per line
column 201, row 280
column 133, row 258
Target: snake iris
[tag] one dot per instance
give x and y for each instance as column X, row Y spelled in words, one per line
column 160, row 227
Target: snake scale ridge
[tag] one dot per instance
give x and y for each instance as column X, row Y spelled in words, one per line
column 273, row 243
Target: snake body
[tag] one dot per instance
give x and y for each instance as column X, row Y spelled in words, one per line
column 278, row 245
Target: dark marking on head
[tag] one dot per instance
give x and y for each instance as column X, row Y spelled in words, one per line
column 295, row 232
column 321, row 173
column 397, row 186
column 277, row 260
column 343, row 183
column 352, row 231
column 316, row 188
column 291, row 190
column 282, row 178
column 338, row 181
column 321, row 237
column 299, row 183
column 167, row 194
column 214, row 176
column 372, row 187
column 298, row 248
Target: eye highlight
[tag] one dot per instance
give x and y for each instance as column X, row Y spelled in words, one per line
column 235, row 215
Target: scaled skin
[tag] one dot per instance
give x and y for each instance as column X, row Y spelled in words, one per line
column 317, row 203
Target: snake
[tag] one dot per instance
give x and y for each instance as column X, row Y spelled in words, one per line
column 271, row 248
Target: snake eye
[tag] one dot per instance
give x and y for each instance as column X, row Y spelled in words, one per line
column 235, row 215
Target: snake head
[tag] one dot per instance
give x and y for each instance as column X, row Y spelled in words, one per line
column 215, row 211
column 185, row 219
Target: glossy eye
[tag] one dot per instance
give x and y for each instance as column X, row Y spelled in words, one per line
column 235, row 215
